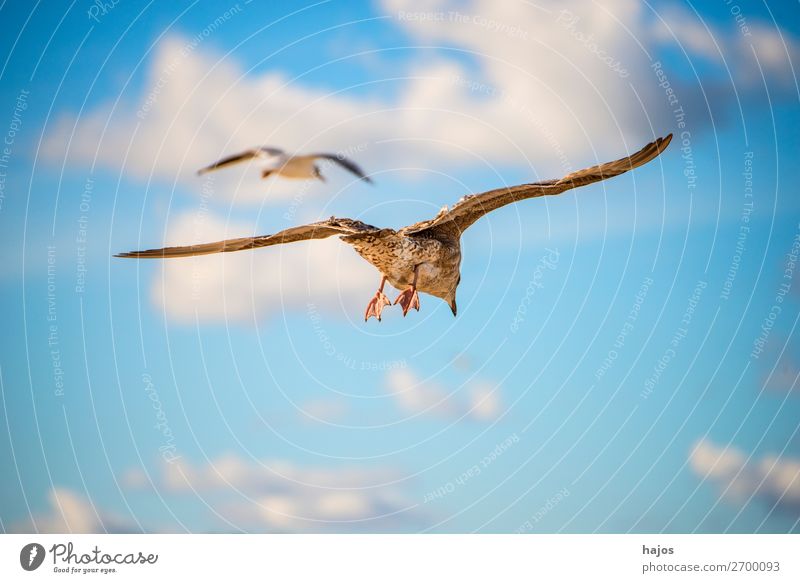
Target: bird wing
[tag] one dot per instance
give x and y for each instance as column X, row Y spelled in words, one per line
column 319, row 230
column 472, row 207
column 346, row 164
column 262, row 152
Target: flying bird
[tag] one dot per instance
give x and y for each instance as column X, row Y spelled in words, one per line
column 426, row 256
column 279, row 163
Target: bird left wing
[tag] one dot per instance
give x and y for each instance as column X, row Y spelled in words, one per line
column 319, row 230
column 472, row 207
column 261, row 152
column 346, row 164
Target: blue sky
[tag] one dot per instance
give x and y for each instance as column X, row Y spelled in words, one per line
column 605, row 373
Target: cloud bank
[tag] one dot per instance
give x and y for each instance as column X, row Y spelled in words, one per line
column 544, row 86
column 280, row 496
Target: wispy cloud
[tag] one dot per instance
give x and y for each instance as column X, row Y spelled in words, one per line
column 480, row 400
column 324, row 409
column 782, row 374
column 742, row 51
column 739, row 477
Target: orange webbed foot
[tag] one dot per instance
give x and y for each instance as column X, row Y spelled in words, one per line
column 376, row 305
column 408, row 299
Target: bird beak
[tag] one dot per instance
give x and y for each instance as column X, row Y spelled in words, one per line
column 453, row 307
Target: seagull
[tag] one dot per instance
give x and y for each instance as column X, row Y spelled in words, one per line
column 426, row 256
column 282, row 164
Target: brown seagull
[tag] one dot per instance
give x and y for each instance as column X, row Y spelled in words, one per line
column 425, row 256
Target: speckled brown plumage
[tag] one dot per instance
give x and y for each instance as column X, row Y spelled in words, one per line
column 429, row 250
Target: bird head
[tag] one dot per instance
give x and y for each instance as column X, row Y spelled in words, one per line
column 318, row 174
column 452, row 303
column 450, row 298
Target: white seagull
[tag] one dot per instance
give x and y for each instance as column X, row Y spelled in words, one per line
column 282, row 164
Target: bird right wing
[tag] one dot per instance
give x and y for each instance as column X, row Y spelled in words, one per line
column 263, row 152
column 472, row 207
column 345, row 163
column 319, row 230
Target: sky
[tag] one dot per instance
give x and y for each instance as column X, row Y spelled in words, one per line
column 625, row 356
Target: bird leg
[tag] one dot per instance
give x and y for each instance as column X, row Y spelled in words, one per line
column 377, row 303
column 409, row 298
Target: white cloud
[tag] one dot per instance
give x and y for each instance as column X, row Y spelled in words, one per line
column 276, row 495
column 526, row 98
column 544, row 87
column 775, row 479
column 417, row 396
column 196, row 109
column 246, row 286
column 71, row 512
